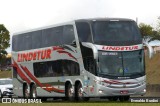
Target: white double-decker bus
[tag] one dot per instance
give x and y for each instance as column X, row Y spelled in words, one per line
column 79, row 60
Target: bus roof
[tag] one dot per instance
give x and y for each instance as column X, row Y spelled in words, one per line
column 41, row 28
column 71, row 22
column 104, row 19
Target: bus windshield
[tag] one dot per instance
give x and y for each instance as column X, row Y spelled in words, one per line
column 121, row 64
column 115, row 33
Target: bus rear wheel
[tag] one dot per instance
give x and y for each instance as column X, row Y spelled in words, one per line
column 80, row 94
column 33, row 92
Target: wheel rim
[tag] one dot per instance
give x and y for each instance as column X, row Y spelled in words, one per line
column 70, row 92
column 26, row 92
column 34, row 93
column 80, row 92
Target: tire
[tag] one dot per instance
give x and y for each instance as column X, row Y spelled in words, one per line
column 124, row 98
column 68, row 93
column 79, row 93
column 26, row 93
column 33, row 92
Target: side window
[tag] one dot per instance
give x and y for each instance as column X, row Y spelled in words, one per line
column 68, row 34
column 56, row 68
column 70, row 68
column 27, row 42
column 15, row 43
column 40, row 69
column 22, row 42
column 83, row 31
column 52, row 36
column 36, row 39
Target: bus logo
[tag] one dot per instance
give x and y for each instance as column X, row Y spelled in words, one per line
column 36, row 55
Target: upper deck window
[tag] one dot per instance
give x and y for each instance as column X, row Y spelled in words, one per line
column 115, row 32
column 83, row 30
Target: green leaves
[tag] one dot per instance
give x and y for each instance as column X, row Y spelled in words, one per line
column 146, row 30
column 4, row 38
column 4, row 42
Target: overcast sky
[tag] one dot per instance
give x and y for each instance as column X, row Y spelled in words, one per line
column 20, row 15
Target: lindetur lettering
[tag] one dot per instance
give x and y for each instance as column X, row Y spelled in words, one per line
column 120, row 48
column 36, row 55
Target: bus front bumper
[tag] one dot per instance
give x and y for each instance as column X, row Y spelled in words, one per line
column 107, row 91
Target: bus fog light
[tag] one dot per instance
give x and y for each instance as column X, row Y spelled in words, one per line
column 100, row 91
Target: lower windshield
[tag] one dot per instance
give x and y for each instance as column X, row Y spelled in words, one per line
column 118, row 65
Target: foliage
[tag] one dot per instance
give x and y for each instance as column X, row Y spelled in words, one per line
column 4, row 42
column 146, row 30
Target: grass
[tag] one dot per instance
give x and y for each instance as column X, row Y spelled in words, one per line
column 6, row 74
column 153, row 69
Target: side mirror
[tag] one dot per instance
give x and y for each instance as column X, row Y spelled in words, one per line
column 150, row 50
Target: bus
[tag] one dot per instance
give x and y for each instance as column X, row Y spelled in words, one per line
column 80, row 59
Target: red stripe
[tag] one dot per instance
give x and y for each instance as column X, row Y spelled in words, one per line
column 40, row 84
column 58, row 48
column 117, row 82
column 20, row 73
column 69, row 54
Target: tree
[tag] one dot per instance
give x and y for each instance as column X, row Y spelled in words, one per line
column 156, row 33
column 4, row 42
column 146, row 30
